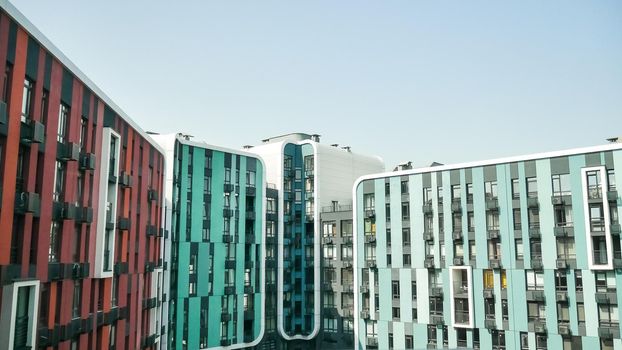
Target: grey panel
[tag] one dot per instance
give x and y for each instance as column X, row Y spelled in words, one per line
column 592, row 159
column 454, row 177
column 559, row 165
column 368, row 186
column 426, row 179
column 32, row 59
column 514, row 170
column 67, row 87
column 609, row 159
column 439, row 178
column 490, row 173
column 86, row 102
column 47, row 75
column 530, row 168
column 468, row 174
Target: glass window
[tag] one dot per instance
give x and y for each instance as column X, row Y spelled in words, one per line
column 561, row 184
column 515, row 189
column 63, row 117
column 532, row 187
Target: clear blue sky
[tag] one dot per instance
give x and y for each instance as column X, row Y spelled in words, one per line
column 406, row 80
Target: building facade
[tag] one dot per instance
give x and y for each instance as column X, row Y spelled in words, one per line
column 338, row 277
column 516, row 253
column 217, row 246
column 80, row 221
column 308, row 176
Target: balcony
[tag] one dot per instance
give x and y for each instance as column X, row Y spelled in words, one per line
column 84, row 215
column 370, row 213
column 429, row 262
column 612, row 196
column 537, row 325
column 372, row 341
column 564, row 329
column 370, row 238
column 606, row 297
column 365, row 314
column 123, row 224
column 427, row 209
column 250, row 190
column 608, row 329
column 536, row 263
column 564, row 230
column 494, row 263
column 561, row 296
column 437, row 319
column 532, row 202
column 32, row 132
column 436, row 291
column 492, row 233
column 456, row 206
column 228, row 188
column 27, row 202
column 370, row 263
column 492, row 204
column 534, row 232
column 462, row 317
column 535, row 295
column 68, row 151
column 457, row 235
column 327, row 240
column 428, row 236
column 230, row 264
column 490, row 323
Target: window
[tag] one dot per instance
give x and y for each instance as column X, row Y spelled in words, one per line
column 406, row 236
column 54, row 252
column 520, row 251
column 439, row 192
column 611, row 180
column 63, row 116
column 406, row 260
column 329, row 228
column 515, row 189
column 455, row 193
column 77, row 298
column 27, row 100
column 470, row 221
column 561, row 184
column 472, row 250
column 469, row 193
column 59, row 181
column 517, row 218
column 404, row 186
column 395, row 288
column 405, row 211
column 532, row 187
column 432, row 335
column 396, row 312
column 456, row 222
column 369, row 202
column 427, row 195
column 489, row 279
column 409, row 341
column 387, row 189
column 490, row 188
column 535, row 280
column 578, row 280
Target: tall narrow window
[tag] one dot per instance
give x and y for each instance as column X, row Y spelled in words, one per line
column 63, row 116
column 27, row 100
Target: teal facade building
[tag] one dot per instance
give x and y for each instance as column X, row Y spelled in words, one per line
column 516, row 253
column 216, row 246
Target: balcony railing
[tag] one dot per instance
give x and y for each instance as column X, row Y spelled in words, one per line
column 600, row 257
column 461, row 316
column 594, row 192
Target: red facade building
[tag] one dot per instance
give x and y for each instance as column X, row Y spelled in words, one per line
column 81, row 197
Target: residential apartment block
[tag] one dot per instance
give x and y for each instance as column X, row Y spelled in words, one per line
column 515, row 253
column 308, row 175
column 217, row 250
column 80, row 214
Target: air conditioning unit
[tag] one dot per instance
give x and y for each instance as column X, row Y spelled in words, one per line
column 561, row 263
